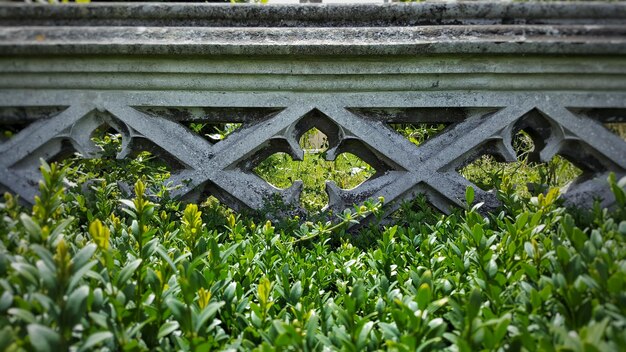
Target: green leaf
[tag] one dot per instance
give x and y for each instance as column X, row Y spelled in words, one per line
column 501, row 328
column 96, row 338
column 31, row 227
column 167, row 328
column 229, row 292
column 127, row 272
column 492, row 268
column 596, row 239
column 363, row 335
column 578, row 238
column 618, row 191
column 207, row 313
column 6, row 300
column 178, row 309
column 160, row 250
column 23, row 315
column 469, row 196
column 264, row 289
column 27, row 271
column 424, row 295
column 530, row 270
column 136, row 231
column 563, row 254
column 358, row 294
column 134, row 329
column 530, row 251
column 434, row 306
column 390, row 331
column 100, row 319
column 521, row 220
column 58, row 230
column 6, row 338
column 477, row 233
column 80, row 273
column 77, row 303
column 295, row 292
column 615, row 282
column 45, row 256
column 473, row 305
column 83, row 256
column 129, row 204
column 43, row 339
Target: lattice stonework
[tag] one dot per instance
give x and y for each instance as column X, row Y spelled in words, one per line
column 485, row 70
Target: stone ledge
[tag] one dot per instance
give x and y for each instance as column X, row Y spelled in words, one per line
column 504, row 39
column 326, row 30
column 312, row 15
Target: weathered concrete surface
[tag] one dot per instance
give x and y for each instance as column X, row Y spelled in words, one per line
column 339, row 30
column 505, row 39
column 325, row 15
column 556, row 70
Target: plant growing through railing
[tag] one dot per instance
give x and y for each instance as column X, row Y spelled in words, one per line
column 204, row 278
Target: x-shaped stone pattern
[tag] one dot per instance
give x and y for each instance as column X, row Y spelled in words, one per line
column 403, row 170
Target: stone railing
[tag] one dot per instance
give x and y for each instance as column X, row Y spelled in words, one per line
column 554, row 70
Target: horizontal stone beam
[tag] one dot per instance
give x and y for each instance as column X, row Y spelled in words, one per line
column 323, row 15
column 333, row 30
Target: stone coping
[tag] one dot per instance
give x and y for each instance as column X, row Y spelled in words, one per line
column 312, row 15
column 595, row 28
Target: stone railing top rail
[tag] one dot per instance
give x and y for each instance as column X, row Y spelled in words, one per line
column 333, row 29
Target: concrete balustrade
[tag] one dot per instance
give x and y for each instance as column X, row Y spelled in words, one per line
column 488, row 70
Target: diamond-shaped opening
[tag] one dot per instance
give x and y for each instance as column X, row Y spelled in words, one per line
column 418, row 133
column 111, row 139
column 144, row 158
column 526, row 175
column 107, row 139
column 524, row 145
column 314, row 141
column 347, row 170
column 15, row 119
column 318, row 130
column 531, row 134
column 533, row 138
column 212, row 132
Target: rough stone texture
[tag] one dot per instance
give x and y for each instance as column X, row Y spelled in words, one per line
column 327, row 15
column 556, row 71
column 313, row 30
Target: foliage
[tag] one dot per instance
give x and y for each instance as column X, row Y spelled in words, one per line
column 347, row 170
column 88, row 268
column 526, row 178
